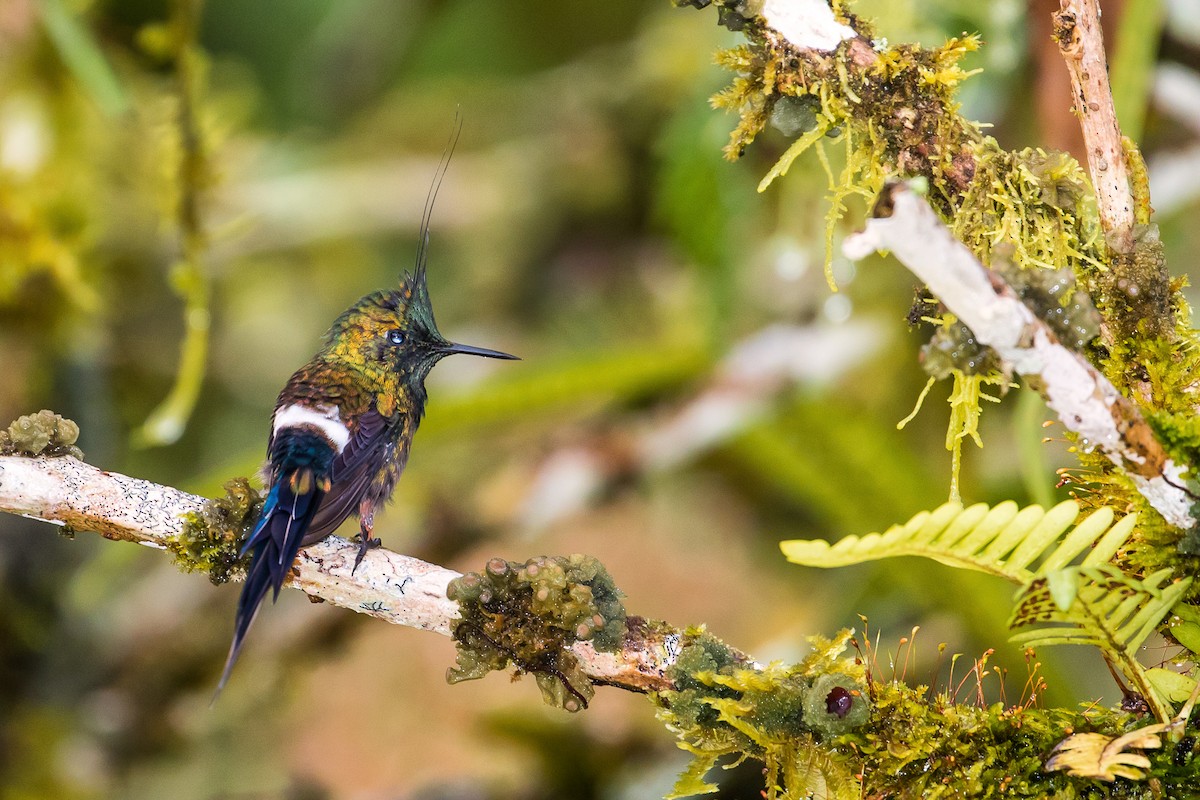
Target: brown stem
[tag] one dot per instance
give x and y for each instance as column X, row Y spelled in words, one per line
column 1080, row 38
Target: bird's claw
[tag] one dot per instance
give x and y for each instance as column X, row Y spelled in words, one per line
column 365, row 543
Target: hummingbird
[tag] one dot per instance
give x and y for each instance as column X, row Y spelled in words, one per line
column 343, row 426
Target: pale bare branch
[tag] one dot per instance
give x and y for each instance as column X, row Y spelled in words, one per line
column 395, row 588
column 1081, row 39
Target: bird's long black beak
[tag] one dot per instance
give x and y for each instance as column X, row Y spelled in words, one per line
column 467, row 349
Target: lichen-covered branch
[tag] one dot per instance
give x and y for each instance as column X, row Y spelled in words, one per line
column 827, row 723
column 1081, row 40
column 894, row 111
column 1086, row 402
column 831, row 81
column 389, row 586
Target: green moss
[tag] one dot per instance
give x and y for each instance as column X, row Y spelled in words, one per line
column 702, row 653
column 724, row 706
column 904, row 742
column 1135, row 292
column 1051, row 294
column 953, row 347
column 42, row 434
column 210, row 540
column 528, row 615
column 918, row 746
column 817, row 725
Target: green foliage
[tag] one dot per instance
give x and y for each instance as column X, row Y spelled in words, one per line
column 42, row 434
column 1096, row 604
column 1133, row 61
column 1003, row 541
column 529, row 615
column 923, row 747
column 780, row 715
column 211, row 540
column 83, row 57
column 1093, row 603
column 166, row 423
column 623, row 374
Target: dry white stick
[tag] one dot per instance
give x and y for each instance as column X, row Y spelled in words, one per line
column 1081, row 39
column 390, row 586
column 1085, row 401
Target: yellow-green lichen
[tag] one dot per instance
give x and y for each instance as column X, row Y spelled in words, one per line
column 529, row 615
column 42, row 434
column 211, row 538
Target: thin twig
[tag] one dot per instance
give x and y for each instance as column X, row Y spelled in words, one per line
column 1081, row 39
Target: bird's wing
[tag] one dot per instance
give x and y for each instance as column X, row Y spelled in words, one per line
column 352, row 472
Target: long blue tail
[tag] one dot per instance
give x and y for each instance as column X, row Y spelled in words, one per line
column 301, row 461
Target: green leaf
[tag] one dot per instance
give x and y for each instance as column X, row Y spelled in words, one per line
column 1187, row 633
column 1002, row 541
column 1132, row 66
column 81, row 54
column 1063, row 584
column 1170, row 684
column 691, row 780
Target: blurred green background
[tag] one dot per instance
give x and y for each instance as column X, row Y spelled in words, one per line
column 691, row 391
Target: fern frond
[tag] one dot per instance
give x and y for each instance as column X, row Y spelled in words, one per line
column 1099, row 605
column 1003, row 541
column 1109, row 609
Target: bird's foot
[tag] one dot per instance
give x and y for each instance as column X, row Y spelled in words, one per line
column 365, row 543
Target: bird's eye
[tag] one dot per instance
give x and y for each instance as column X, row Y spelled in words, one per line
column 395, row 337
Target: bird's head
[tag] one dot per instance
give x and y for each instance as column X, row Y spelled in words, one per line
column 393, row 331
column 391, row 334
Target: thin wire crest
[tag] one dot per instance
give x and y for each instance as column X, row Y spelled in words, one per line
column 431, row 195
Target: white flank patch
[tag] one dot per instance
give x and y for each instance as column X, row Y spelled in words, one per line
column 324, row 418
column 808, row 24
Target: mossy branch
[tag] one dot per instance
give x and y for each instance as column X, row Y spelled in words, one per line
column 825, row 722
column 165, row 424
column 1085, row 400
column 395, row 588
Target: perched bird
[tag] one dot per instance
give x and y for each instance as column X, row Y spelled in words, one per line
column 342, row 428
